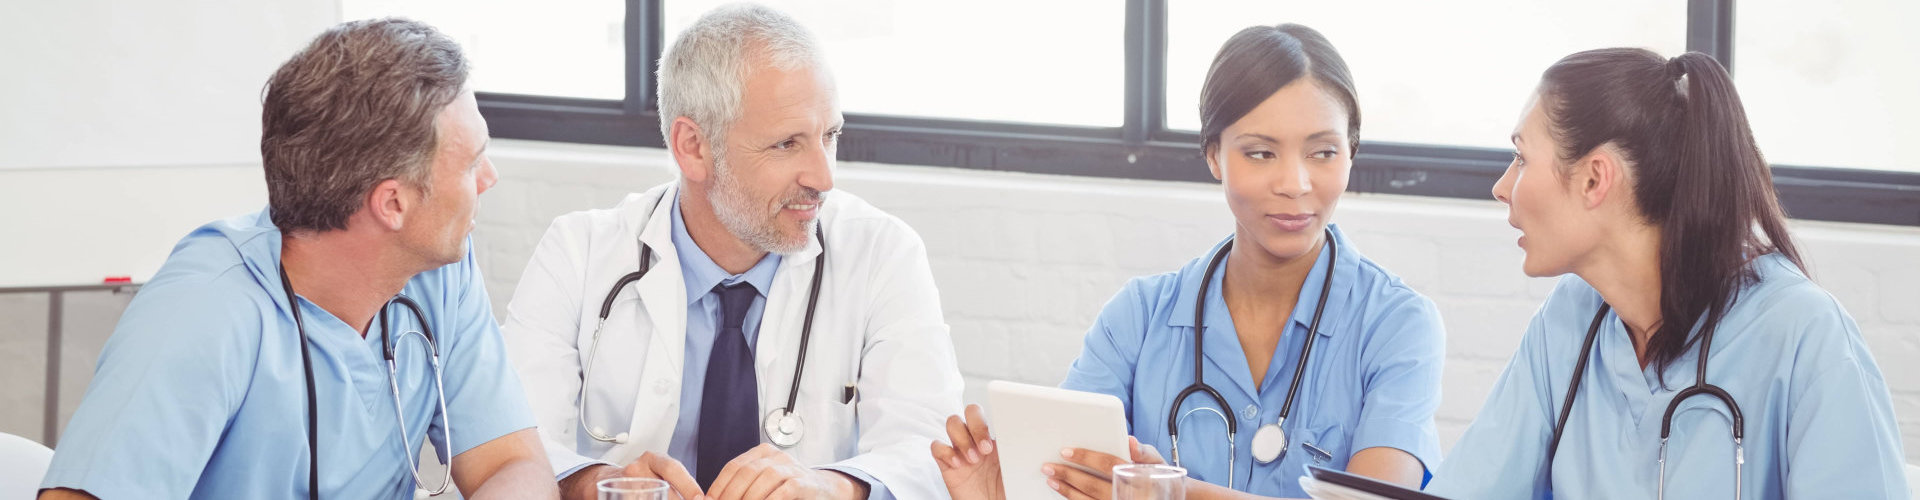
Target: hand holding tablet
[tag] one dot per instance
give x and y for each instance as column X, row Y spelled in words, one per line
column 1032, row 425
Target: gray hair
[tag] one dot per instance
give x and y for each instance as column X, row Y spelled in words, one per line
column 353, row 109
column 703, row 74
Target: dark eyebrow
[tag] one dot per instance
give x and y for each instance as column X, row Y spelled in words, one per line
column 1324, row 134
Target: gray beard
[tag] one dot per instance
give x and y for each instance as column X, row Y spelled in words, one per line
column 735, row 211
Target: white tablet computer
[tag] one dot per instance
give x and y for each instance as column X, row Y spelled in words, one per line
column 1031, row 424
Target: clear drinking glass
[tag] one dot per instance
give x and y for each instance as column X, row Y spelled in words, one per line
column 632, row 488
column 1149, row 482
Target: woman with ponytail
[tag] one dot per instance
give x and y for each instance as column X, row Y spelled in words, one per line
column 1638, row 176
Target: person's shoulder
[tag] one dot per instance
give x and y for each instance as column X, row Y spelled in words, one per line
column 1152, row 299
column 1780, row 288
column 1153, row 288
column 851, row 219
column 1572, row 296
column 1784, row 307
column 592, row 219
column 218, row 266
column 1380, row 290
column 199, row 301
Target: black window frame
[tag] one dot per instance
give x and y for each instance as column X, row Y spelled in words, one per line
column 1144, row 147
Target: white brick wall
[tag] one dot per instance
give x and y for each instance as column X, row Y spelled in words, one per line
column 1024, row 262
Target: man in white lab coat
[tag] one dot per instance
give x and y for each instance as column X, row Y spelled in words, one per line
column 684, row 372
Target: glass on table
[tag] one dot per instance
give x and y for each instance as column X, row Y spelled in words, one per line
column 633, row 488
column 1149, row 482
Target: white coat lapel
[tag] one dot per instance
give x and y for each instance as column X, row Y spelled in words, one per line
column 778, row 345
column 663, row 294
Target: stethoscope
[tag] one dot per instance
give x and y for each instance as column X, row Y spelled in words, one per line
column 782, row 426
column 1270, row 441
column 1700, row 386
column 393, row 382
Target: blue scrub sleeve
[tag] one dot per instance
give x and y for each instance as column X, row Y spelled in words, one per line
column 1403, row 373
column 1112, row 349
column 484, row 397
column 1842, row 440
column 1503, row 451
column 173, row 373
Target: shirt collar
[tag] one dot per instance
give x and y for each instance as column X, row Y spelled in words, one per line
column 702, row 274
column 1303, row 309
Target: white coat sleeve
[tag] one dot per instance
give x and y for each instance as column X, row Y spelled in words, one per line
column 542, row 320
column 909, row 379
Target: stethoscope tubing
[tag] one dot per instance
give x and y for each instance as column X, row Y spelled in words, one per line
column 646, row 264
column 1200, row 385
column 388, row 344
column 1699, row 387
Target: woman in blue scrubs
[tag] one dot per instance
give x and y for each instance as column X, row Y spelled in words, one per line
column 1279, row 125
column 1638, row 175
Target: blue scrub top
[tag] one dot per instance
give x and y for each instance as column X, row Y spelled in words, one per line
column 1818, row 419
column 200, row 392
column 1373, row 380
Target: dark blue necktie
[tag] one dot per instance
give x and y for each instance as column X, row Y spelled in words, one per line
column 730, row 401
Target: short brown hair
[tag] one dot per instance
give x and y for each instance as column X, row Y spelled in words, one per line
column 353, row 109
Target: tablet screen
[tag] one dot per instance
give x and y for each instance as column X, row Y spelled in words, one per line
column 1343, row 482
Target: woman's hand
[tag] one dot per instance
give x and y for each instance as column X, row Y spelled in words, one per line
column 1076, row 484
column 969, row 465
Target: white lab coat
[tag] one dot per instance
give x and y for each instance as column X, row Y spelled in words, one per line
column 878, row 326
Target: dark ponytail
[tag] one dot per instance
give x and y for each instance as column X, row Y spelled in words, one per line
column 1697, row 174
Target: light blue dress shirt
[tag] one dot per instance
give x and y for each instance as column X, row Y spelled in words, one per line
column 701, row 275
column 200, row 392
column 1373, row 380
column 1819, row 423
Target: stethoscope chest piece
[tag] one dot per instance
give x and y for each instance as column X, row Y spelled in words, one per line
column 784, row 428
column 1269, row 443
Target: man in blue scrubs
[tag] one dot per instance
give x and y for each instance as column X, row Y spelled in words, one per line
column 374, row 155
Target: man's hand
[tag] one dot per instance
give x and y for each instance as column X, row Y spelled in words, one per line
column 767, row 472
column 969, row 466
column 582, row 484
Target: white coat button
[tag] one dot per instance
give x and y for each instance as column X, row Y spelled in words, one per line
column 1250, row 412
column 662, row 386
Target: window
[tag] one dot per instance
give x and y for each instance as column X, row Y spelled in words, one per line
column 1452, row 73
column 566, row 48
column 1052, row 62
column 1110, row 88
column 1835, row 84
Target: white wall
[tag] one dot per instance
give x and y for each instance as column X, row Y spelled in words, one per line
column 131, row 82
column 98, row 92
column 1024, row 262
